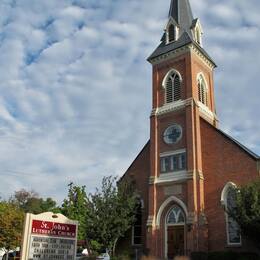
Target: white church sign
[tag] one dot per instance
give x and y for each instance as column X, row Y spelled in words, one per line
column 49, row 236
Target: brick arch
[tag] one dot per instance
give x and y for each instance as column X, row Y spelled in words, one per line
column 165, row 205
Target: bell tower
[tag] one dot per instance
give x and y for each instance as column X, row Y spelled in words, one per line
column 183, row 94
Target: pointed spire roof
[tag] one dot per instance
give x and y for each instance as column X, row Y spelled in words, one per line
column 180, row 14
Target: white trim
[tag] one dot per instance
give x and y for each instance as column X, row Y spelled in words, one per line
column 172, row 152
column 199, row 75
column 171, row 71
column 200, row 80
column 165, row 204
column 171, row 107
column 176, row 31
column 150, row 221
column 198, row 28
column 204, row 110
column 167, row 129
column 228, row 185
column 173, row 177
column 175, row 53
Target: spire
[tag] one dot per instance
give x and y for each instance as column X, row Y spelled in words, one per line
column 182, row 29
column 181, row 13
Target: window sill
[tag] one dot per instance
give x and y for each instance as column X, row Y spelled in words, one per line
column 173, row 177
column 170, row 107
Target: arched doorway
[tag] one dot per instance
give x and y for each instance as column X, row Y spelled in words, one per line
column 175, row 232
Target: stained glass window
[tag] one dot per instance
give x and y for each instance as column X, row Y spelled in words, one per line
column 176, row 216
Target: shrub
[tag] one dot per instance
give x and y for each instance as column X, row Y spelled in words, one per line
column 225, row 255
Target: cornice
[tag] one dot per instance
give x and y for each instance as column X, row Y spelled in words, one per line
column 175, row 177
column 206, row 112
column 192, row 48
column 167, row 108
column 203, row 57
column 170, row 55
column 172, row 152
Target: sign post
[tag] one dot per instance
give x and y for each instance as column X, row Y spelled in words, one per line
column 49, row 236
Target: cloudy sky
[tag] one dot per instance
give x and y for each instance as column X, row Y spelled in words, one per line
column 76, row 88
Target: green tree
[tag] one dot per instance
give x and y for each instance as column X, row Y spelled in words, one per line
column 75, row 207
column 30, row 202
column 247, row 211
column 110, row 214
column 11, row 225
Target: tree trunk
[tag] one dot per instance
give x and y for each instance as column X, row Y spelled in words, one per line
column 114, row 247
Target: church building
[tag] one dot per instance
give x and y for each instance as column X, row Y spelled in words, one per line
column 186, row 173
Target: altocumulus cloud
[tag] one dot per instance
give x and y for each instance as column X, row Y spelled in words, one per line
column 76, row 88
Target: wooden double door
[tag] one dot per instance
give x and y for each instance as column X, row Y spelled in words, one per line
column 175, row 241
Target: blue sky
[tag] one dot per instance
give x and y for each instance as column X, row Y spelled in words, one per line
column 76, row 88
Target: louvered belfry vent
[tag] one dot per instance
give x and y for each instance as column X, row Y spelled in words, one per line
column 169, row 91
column 173, row 88
column 171, row 32
column 202, row 91
column 177, row 88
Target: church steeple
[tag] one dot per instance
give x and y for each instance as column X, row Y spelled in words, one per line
column 180, row 12
column 181, row 30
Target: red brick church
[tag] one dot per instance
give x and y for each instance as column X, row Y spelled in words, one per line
column 186, row 173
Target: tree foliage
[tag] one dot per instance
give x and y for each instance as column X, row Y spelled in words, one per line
column 11, row 225
column 111, row 213
column 30, row 202
column 247, row 211
column 75, row 207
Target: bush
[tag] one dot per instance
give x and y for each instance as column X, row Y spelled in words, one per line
column 224, row 256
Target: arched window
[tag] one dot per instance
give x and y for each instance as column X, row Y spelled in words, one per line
column 202, row 90
column 171, row 33
column 176, row 216
column 137, row 227
column 233, row 229
column 172, row 88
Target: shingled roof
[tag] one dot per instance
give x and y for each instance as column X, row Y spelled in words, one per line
column 181, row 13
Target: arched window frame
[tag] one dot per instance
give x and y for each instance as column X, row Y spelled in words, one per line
column 198, row 32
column 181, row 212
column 172, row 74
column 224, row 202
column 203, row 90
column 165, row 204
column 170, row 24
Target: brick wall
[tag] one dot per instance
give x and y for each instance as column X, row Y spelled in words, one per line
column 223, row 161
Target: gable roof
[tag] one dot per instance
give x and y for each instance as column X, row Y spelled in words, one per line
column 147, row 144
column 241, row 146
column 234, row 141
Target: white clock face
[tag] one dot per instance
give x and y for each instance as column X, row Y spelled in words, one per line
column 172, row 134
